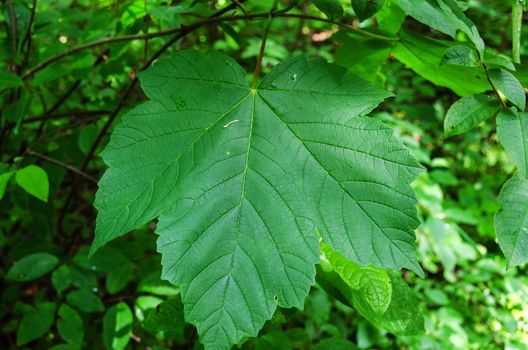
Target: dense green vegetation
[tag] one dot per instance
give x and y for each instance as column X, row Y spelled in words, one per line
column 263, row 174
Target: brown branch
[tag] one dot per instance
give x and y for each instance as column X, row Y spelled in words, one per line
column 258, row 67
column 62, row 165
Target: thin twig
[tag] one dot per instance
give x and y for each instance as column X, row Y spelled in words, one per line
column 27, row 36
column 185, row 29
column 62, row 165
column 495, row 90
column 57, row 116
column 14, row 47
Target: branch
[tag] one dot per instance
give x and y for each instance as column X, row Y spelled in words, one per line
column 186, row 29
column 49, row 116
column 62, row 165
column 12, row 18
column 27, row 37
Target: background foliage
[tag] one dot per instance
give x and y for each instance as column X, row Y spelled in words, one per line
column 57, row 113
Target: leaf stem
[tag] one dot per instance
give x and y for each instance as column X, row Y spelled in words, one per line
column 62, row 165
column 493, row 85
column 258, row 67
column 517, row 16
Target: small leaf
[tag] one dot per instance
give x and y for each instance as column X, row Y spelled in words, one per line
column 460, row 55
column 117, row 326
column 9, row 80
column 167, row 317
column 390, row 17
column 500, row 61
column 509, row 86
column 373, row 283
column 34, row 180
column 335, row 344
column 428, row 13
column 331, row 8
column 459, row 20
column 4, row 180
column 403, row 316
column 31, row 267
column 367, row 290
column 365, row 9
column 423, row 54
column 468, row 112
column 85, row 300
column 512, row 130
column 61, row 278
column 70, row 325
column 35, row 323
column 511, row 222
column 87, row 137
column 119, row 277
column 153, row 284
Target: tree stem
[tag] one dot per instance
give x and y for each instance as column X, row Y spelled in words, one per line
column 517, row 14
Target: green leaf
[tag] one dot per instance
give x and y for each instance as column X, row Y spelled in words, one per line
column 382, row 297
column 335, row 344
column 365, row 9
column 70, row 325
column 509, row 86
column 9, row 80
column 468, row 112
column 372, row 283
column 242, row 177
column 460, row 55
column 362, row 56
column 117, row 326
column 4, row 180
column 423, row 55
column 85, row 300
column 35, row 323
column 331, row 8
column 34, row 180
column 31, row 267
column 511, row 222
column 167, row 317
column 153, row 284
column 429, row 13
column 87, row 137
column 459, row 20
column 402, row 317
column 61, row 278
column 512, row 130
column 119, row 277
column 390, row 17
